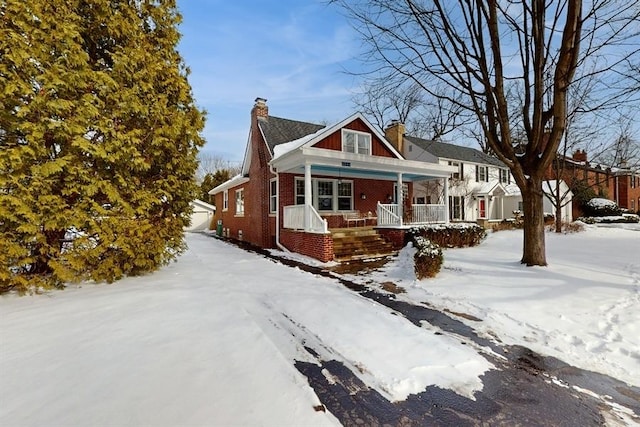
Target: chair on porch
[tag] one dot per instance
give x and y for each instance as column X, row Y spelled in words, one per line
column 354, row 218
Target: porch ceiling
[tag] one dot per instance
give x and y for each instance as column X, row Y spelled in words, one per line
column 350, row 165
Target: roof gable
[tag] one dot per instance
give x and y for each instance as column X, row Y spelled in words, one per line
column 455, row 152
column 310, row 140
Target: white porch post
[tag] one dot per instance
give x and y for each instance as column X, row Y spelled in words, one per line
column 399, row 196
column 446, row 200
column 307, row 196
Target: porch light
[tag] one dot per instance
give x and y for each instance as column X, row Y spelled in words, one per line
column 363, row 196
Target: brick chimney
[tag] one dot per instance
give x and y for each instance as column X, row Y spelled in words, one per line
column 260, row 108
column 395, row 134
column 580, row 156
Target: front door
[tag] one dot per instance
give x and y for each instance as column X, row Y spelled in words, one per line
column 482, row 208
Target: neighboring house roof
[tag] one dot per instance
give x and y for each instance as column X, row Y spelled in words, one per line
column 455, row 152
column 277, row 130
column 203, row 205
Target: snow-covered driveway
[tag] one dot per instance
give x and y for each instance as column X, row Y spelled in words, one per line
column 208, row 340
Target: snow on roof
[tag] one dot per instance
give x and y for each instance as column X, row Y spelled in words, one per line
column 203, row 204
column 236, row 180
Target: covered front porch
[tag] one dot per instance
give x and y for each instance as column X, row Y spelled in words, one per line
column 322, row 189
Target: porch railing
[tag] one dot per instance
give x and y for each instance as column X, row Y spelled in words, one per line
column 426, row 214
column 418, row 214
column 294, row 218
column 388, row 214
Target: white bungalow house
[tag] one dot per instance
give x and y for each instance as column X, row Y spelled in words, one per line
column 481, row 189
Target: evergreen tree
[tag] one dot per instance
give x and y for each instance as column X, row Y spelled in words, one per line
column 212, row 180
column 99, row 137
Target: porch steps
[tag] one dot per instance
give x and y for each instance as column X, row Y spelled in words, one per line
column 359, row 243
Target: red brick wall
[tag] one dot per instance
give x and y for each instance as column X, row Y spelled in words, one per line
column 318, row 246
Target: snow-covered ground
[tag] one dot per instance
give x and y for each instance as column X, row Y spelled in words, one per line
column 583, row 308
column 211, row 339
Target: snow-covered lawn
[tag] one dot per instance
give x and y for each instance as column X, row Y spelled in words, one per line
column 584, row 308
column 212, row 338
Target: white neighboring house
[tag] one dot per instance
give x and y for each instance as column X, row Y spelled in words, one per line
column 201, row 215
column 482, row 189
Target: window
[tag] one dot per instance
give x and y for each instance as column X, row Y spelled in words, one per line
column 273, row 196
column 633, row 181
column 225, row 200
column 240, row 202
column 419, row 200
column 456, row 175
column 299, row 191
column 456, row 207
column 633, row 205
column 327, row 195
column 345, row 196
column 505, row 177
column 356, row 142
column 481, row 174
column 520, row 206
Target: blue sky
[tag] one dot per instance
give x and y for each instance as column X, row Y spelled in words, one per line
column 294, row 53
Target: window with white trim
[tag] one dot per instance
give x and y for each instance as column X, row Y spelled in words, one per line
column 456, row 175
column 273, row 195
column 299, row 191
column 481, row 174
column 456, row 207
column 356, row 142
column 345, row 195
column 505, row 177
column 240, row 201
column 327, row 195
column 225, row 200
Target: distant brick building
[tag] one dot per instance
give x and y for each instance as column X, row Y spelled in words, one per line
column 618, row 184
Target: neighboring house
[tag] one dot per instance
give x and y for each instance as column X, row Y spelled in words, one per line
column 622, row 185
column 482, row 187
column 301, row 180
column 201, row 215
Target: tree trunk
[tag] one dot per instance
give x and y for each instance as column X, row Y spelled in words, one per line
column 558, row 218
column 534, row 245
column 558, row 205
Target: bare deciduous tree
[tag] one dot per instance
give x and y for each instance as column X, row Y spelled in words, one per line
column 209, row 164
column 487, row 51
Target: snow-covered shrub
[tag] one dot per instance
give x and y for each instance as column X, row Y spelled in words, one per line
column 598, row 207
column 568, row 227
column 613, row 219
column 451, row 235
column 428, row 257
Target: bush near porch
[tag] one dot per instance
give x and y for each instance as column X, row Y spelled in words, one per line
column 450, row 235
column 427, row 259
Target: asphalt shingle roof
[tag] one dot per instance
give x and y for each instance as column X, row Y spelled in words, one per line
column 455, row 152
column 277, row 130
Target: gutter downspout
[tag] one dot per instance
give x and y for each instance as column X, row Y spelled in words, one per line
column 278, row 244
